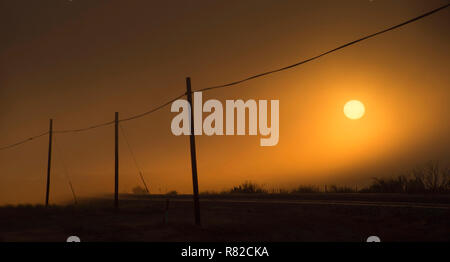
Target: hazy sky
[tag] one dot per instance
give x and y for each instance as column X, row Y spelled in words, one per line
column 80, row 61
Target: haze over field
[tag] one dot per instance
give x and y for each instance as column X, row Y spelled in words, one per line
column 80, row 61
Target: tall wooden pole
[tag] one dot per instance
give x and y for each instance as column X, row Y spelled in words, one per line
column 50, row 135
column 193, row 154
column 116, row 178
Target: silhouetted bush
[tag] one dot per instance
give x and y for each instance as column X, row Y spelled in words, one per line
column 249, row 188
column 172, row 193
column 340, row 189
column 139, row 190
column 430, row 178
column 387, row 185
column 280, row 191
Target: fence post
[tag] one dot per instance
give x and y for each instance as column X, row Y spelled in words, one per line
column 50, row 135
column 193, row 154
column 116, row 166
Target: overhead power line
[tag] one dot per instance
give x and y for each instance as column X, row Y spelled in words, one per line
column 325, row 53
column 153, row 110
column 65, row 131
column 83, row 129
column 242, row 80
column 120, row 120
column 23, row 141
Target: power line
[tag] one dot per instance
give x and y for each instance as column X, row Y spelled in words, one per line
column 269, row 72
column 83, row 129
column 120, row 120
column 239, row 81
column 95, row 126
column 23, row 141
column 152, row 110
column 327, row 52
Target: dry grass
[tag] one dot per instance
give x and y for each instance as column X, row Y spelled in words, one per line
column 141, row 219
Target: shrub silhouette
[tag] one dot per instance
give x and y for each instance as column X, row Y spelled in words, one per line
column 340, row 189
column 172, row 193
column 249, row 188
column 430, row 178
column 139, row 190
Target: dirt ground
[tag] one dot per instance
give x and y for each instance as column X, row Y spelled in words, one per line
column 237, row 218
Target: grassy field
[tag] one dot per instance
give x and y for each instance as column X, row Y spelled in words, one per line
column 225, row 218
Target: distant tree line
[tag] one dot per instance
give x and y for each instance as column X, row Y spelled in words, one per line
column 430, row 178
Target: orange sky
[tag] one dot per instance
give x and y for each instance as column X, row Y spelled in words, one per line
column 78, row 62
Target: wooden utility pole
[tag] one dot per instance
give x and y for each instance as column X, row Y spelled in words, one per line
column 50, row 135
column 193, row 154
column 116, row 167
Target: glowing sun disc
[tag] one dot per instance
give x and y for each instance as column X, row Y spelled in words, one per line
column 354, row 109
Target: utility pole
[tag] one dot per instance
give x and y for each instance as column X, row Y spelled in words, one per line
column 50, row 135
column 116, row 166
column 193, row 154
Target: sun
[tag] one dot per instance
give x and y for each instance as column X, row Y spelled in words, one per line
column 354, row 109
